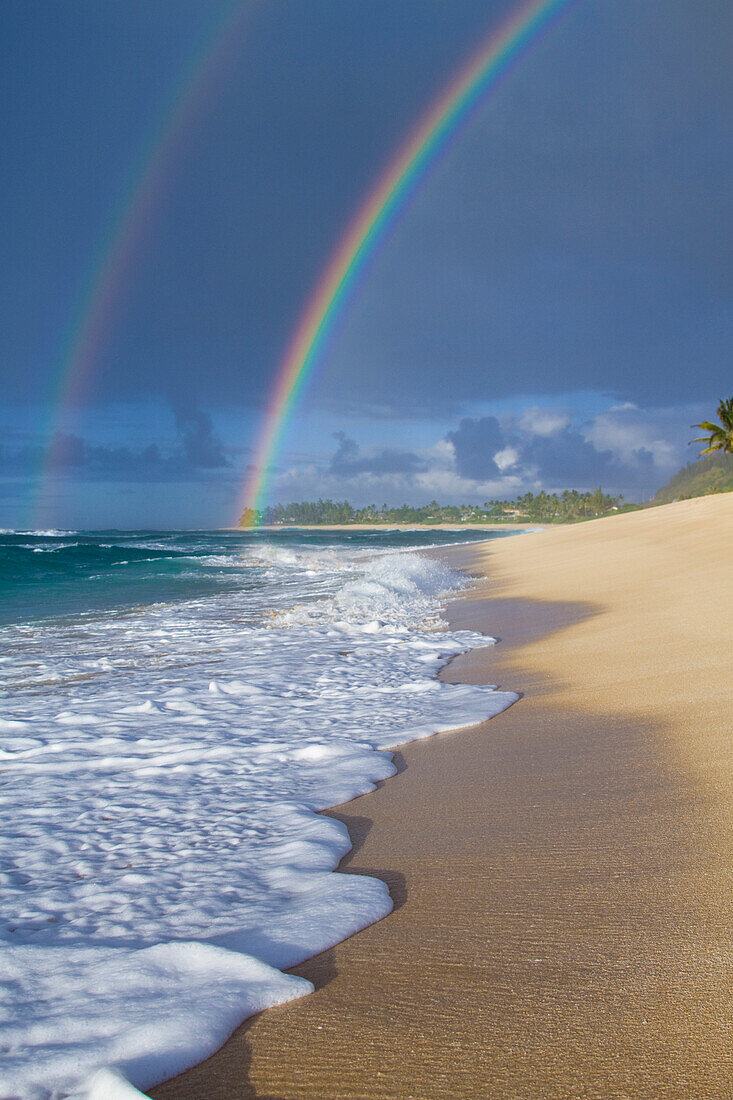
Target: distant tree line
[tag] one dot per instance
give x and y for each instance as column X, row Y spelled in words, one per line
column 567, row 507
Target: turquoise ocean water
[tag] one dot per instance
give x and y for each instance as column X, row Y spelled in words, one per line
column 63, row 573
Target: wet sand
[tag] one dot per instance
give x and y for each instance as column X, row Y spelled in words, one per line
column 562, row 873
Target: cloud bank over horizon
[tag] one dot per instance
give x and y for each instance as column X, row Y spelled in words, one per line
column 196, row 448
column 626, row 449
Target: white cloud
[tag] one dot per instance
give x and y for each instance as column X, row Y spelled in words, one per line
column 439, row 480
column 626, row 449
column 543, row 421
column 628, row 431
column 506, row 458
column 442, row 453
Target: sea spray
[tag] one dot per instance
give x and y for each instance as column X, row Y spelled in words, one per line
column 161, row 768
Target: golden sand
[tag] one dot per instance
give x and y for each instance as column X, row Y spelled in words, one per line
column 562, row 873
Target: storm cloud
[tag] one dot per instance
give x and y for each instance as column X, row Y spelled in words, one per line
column 625, row 449
column 572, row 238
column 200, row 446
column 196, row 449
column 348, row 461
column 476, row 442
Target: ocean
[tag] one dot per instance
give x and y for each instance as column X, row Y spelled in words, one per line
column 176, row 706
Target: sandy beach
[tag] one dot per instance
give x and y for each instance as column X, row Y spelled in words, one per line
column 561, row 874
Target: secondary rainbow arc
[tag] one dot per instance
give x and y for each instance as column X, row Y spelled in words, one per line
column 381, row 207
column 119, row 245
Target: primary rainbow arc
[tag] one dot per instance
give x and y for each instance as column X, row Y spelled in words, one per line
column 367, row 228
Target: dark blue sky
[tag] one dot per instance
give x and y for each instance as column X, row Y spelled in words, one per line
column 557, row 294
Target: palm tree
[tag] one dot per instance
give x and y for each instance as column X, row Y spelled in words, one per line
column 721, row 435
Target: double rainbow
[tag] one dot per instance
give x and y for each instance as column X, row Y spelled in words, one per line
column 110, row 270
column 390, row 195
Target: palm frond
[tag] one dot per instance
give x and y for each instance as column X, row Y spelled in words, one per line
column 720, row 436
column 725, row 414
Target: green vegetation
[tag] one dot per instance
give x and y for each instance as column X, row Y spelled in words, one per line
column 720, row 436
column 713, row 474
column 567, row 507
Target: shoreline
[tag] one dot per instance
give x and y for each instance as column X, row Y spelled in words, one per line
column 560, row 873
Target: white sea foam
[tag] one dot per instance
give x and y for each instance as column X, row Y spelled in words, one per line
column 49, row 549
column 162, row 861
column 51, row 532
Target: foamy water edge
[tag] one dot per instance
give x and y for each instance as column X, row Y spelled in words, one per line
column 349, row 670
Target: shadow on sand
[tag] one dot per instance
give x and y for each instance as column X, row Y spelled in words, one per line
column 515, row 622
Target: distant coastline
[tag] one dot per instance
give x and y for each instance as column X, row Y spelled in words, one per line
column 568, row 506
column 497, row 526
